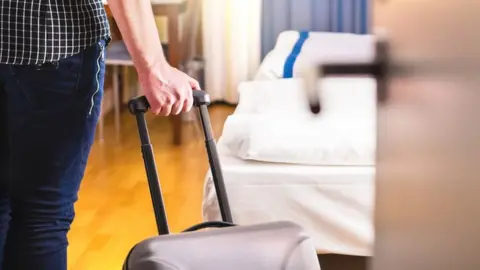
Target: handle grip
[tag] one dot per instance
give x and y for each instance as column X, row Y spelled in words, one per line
column 140, row 104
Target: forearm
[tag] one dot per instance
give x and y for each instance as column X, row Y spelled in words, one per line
column 136, row 23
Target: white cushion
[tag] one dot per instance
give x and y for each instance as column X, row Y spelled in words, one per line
column 272, row 123
column 308, row 140
column 319, row 47
column 284, row 96
column 351, row 96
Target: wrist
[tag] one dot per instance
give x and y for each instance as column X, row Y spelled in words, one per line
column 147, row 64
column 155, row 71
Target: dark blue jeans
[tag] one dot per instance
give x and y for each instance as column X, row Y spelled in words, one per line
column 48, row 116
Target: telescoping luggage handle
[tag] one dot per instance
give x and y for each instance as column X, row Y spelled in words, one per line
column 139, row 106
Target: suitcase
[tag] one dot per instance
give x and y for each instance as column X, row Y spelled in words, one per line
column 217, row 245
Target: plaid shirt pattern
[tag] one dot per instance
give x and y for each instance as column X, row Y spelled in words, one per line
column 41, row 31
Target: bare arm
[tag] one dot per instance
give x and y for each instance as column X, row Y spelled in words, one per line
column 167, row 89
column 137, row 24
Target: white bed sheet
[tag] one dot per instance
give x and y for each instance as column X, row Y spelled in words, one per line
column 334, row 204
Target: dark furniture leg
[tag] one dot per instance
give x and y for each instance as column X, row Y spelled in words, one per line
column 343, row 262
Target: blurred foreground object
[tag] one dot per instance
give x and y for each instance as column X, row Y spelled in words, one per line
column 427, row 184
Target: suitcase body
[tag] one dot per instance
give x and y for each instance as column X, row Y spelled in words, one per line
column 272, row 246
column 279, row 245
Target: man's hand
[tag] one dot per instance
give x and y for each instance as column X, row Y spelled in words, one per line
column 168, row 90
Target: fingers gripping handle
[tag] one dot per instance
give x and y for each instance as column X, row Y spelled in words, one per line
column 140, row 104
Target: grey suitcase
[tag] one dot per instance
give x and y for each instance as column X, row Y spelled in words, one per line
column 279, row 245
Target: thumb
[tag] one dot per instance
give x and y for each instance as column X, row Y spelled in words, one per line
column 194, row 84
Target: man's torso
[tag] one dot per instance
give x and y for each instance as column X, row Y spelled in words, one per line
column 39, row 31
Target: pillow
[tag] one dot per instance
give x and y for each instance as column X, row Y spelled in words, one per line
column 285, row 96
column 294, row 51
column 351, row 96
column 330, row 140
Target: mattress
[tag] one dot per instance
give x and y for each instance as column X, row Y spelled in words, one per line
column 333, row 203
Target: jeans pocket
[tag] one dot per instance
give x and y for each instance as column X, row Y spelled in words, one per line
column 51, row 84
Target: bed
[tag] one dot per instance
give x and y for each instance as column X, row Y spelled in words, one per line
column 333, row 204
column 329, row 190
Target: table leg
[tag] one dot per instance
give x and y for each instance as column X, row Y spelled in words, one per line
column 174, row 59
column 101, row 124
column 116, row 98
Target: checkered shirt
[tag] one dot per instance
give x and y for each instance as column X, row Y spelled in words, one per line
column 40, row 31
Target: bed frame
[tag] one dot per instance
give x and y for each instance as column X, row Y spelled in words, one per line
column 342, row 262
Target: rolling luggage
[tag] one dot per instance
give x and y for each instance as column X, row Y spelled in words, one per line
column 272, row 246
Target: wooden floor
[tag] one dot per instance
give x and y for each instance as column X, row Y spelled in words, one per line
column 114, row 210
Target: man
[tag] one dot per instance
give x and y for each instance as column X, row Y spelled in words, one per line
column 52, row 68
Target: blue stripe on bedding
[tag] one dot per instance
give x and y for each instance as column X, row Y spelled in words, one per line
column 340, row 15
column 297, row 48
column 364, row 17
